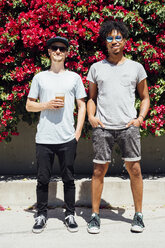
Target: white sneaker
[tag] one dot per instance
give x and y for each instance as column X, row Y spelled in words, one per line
column 40, row 223
column 137, row 224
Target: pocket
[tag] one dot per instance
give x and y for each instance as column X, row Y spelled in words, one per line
column 125, row 80
column 135, row 126
column 74, row 141
column 96, row 130
column 135, row 130
column 96, row 133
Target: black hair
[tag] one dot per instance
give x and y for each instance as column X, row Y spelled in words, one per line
column 106, row 28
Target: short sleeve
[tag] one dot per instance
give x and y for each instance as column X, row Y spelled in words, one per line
column 92, row 74
column 80, row 89
column 34, row 89
column 141, row 73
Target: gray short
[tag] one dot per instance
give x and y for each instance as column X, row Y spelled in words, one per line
column 128, row 140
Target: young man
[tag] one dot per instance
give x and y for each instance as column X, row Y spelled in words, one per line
column 56, row 134
column 112, row 97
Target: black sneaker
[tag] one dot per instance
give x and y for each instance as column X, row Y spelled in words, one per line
column 40, row 223
column 137, row 224
column 71, row 223
column 93, row 225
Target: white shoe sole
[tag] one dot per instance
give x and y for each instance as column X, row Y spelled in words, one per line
column 137, row 229
column 93, row 230
column 38, row 230
column 72, row 230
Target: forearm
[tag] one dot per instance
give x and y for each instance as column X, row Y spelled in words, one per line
column 91, row 108
column 144, row 107
column 80, row 119
column 32, row 106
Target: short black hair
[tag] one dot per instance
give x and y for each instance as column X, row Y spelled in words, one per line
column 106, row 28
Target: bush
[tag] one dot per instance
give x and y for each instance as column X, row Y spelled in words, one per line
column 27, row 24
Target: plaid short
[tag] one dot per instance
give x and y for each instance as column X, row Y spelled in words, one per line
column 127, row 139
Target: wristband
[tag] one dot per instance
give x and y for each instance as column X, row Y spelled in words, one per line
column 141, row 116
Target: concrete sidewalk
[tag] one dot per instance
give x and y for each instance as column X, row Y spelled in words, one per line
column 16, row 225
column 116, row 215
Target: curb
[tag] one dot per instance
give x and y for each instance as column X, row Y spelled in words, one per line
column 116, row 192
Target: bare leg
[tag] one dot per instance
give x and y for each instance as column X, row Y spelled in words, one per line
column 97, row 185
column 134, row 171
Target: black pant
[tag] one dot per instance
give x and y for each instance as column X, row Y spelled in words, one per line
column 45, row 157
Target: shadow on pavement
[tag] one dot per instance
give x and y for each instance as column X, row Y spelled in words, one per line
column 115, row 214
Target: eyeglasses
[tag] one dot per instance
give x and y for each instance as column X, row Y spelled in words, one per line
column 118, row 38
column 61, row 48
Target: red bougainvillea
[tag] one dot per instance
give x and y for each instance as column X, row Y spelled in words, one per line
column 27, row 24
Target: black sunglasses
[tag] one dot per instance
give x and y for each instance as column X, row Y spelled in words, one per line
column 61, row 48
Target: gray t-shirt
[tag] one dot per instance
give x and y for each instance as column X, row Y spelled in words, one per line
column 116, row 91
column 56, row 126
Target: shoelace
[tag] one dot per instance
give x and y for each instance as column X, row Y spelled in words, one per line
column 94, row 222
column 39, row 219
column 138, row 220
column 71, row 219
